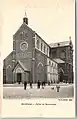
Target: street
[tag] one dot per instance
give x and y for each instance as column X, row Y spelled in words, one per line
column 13, row 91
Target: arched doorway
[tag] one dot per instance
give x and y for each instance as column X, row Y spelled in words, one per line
column 19, row 78
column 19, row 72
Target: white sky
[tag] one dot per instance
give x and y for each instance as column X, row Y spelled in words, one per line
column 53, row 20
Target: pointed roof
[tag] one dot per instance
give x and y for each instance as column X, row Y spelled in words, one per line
column 21, row 65
column 11, row 54
column 23, row 25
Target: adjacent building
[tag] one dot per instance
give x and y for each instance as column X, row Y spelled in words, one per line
column 62, row 53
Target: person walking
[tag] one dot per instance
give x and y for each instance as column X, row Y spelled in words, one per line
column 25, row 85
column 42, row 85
column 31, row 84
column 38, row 84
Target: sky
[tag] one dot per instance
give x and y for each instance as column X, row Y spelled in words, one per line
column 53, row 20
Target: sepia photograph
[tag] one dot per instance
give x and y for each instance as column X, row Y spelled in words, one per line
column 37, row 58
column 39, row 62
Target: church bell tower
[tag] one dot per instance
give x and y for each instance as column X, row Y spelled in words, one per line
column 25, row 19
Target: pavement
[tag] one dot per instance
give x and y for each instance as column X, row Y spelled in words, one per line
column 13, row 91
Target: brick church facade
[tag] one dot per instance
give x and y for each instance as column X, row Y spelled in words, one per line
column 32, row 59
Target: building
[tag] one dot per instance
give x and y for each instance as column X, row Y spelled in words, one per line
column 62, row 53
column 30, row 59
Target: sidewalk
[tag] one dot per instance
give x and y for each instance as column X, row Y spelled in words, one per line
column 22, row 85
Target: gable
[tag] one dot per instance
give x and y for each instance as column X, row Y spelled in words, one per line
column 23, row 27
column 23, row 41
column 18, row 69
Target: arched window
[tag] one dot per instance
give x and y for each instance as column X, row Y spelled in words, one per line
column 49, row 63
column 25, row 34
column 40, row 67
column 41, row 46
column 44, row 48
column 47, row 51
column 52, row 64
column 55, row 66
column 21, row 35
column 38, row 44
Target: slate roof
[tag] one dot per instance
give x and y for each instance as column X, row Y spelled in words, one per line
column 59, row 60
column 60, row 44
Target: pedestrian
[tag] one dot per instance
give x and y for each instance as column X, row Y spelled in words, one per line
column 58, row 88
column 42, row 85
column 19, row 81
column 49, row 83
column 25, row 85
column 31, row 84
column 38, row 84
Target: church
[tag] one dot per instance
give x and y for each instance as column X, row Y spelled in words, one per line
column 32, row 59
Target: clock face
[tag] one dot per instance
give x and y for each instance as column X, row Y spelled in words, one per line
column 23, row 46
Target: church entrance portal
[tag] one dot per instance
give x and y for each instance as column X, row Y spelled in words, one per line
column 19, row 76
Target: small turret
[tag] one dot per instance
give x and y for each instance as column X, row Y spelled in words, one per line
column 25, row 19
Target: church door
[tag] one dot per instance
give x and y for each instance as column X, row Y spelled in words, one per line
column 19, row 77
